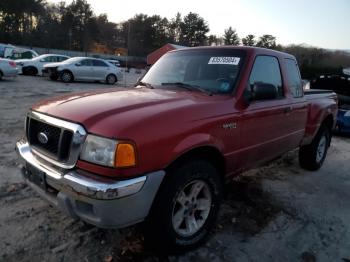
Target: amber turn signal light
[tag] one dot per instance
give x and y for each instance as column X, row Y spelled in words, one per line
column 125, row 155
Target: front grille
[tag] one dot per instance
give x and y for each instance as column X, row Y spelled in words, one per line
column 58, row 141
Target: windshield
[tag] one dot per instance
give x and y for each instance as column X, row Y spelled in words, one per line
column 213, row 70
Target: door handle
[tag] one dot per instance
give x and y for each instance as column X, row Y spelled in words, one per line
column 288, row 109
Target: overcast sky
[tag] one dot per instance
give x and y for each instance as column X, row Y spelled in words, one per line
column 321, row 23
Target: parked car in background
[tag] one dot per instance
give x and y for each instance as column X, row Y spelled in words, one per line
column 84, row 68
column 6, row 50
column 8, row 68
column 23, row 53
column 340, row 84
column 35, row 66
column 114, row 62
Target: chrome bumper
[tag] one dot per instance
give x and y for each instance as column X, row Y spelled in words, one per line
column 87, row 185
column 99, row 201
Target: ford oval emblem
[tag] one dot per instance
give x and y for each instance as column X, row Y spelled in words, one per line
column 42, row 137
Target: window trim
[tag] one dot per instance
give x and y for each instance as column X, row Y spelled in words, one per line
column 282, row 79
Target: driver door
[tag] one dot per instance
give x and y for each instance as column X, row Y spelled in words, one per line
column 266, row 126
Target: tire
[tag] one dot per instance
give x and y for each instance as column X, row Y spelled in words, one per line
column 311, row 157
column 30, row 71
column 66, row 77
column 191, row 193
column 111, row 79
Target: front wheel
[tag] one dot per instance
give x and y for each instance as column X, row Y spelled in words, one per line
column 111, row 79
column 66, row 76
column 185, row 208
column 311, row 157
column 30, row 70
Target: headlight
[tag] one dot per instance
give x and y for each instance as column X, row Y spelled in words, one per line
column 108, row 152
column 347, row 113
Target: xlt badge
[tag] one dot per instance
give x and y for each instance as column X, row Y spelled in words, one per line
column 229, row 125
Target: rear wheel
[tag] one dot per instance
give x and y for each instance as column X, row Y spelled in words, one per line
column 185, row 208
column 66, row 76
column 111, row 79
column 311, row 157
column 30, row 70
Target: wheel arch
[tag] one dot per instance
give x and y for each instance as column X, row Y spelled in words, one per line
column 206, row 152
column 329, row 123
column 34, row 67
column 67, row 70
column 115, row 75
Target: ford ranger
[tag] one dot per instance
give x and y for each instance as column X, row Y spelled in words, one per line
column 161, row 151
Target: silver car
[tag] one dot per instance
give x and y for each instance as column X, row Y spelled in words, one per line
column 84, row 68
column 8, row 68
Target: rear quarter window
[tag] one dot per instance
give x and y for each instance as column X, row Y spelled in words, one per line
column 99, row 63
column 293, row 78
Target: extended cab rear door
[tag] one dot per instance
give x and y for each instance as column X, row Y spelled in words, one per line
column 297, row 117
column 268, row 125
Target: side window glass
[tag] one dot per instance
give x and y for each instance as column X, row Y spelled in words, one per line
column 293, row 78
column 266, row 70
column 47, row 59
column 53, row 59
column 86, row 62
column 99, row 63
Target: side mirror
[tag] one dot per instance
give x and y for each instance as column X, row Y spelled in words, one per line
column 78, row 64
column 42, row 60
column 262, row 91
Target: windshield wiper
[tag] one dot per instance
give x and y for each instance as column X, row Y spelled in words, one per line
column 188, row 87
column 141, row 83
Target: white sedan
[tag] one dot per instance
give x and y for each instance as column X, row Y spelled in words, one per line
column 84, row 68
column 8, row 68
column 35, row 66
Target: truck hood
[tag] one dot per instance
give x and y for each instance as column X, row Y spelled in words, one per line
column 109, row 112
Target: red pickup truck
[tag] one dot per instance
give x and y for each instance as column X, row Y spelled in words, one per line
column 161, row 151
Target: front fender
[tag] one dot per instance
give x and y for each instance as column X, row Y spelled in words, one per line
column 195, row 141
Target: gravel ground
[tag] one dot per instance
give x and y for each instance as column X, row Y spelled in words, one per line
column 275, row 213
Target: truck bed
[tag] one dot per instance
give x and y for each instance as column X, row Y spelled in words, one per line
column 317, row 91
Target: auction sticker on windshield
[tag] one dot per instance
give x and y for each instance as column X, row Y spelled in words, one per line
column 224, row 60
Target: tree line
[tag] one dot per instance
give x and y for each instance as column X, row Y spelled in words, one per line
column 76, row 27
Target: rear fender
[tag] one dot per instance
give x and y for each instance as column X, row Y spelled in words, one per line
column 316, row 117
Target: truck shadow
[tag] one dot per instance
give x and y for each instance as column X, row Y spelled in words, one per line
column 246, row 210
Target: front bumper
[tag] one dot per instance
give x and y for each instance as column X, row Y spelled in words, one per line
column 103, row 202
